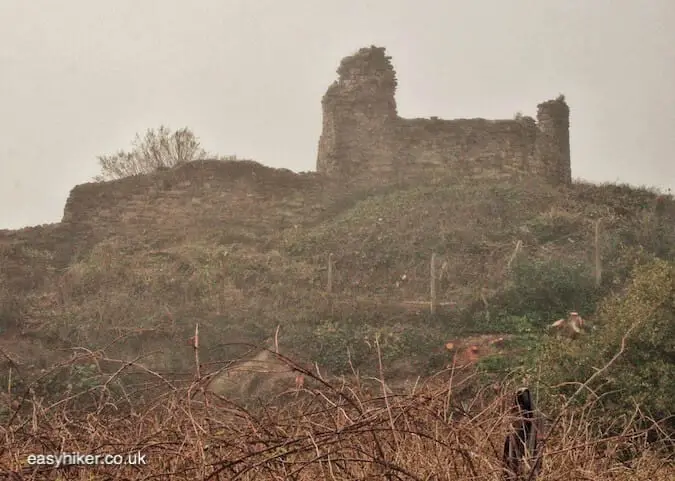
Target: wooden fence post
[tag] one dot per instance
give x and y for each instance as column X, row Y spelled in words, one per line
column 523, row 455
column 485, row 303
column 598, row 260
column 519, row 244
column 433, row 284
column 330, row 272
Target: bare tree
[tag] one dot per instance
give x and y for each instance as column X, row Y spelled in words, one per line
column 158, row 149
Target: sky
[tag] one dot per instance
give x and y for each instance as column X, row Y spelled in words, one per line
column 80, row 78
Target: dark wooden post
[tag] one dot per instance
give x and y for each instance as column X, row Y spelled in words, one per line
column 522, row 460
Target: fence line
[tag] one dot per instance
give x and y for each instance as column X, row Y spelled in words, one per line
column 598, row 259
column 330, row 273
column 433, row 301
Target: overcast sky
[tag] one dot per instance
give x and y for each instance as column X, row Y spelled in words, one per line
column 79, row 78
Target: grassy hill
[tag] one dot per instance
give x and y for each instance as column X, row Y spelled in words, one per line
column 243, row 250
column 250, row 252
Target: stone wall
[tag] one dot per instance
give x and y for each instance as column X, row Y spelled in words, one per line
column 220, row 201
column 223, row 201
column 364, row 138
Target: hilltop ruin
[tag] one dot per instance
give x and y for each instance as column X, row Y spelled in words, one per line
column 364, row 138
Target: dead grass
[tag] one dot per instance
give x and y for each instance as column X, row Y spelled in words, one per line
column 334, row 430
column 240, row 275
column 240, row 255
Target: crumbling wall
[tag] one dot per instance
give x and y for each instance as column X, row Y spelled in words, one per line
column 465, row 146
column 360, row 119
column 553, row 141
column 364, row 138
column 230, row 200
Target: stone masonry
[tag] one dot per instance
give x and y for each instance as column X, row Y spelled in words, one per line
column 364, row 138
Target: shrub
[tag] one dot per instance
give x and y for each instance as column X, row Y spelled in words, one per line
column 11, row 310
column 159, row 149
column 644, row 374
column 544, row 290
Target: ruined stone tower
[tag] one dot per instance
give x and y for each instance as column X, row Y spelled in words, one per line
column 364, row 138
column 359, row 115
column 552, row 150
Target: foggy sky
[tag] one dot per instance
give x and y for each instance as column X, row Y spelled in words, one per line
column 79, row 78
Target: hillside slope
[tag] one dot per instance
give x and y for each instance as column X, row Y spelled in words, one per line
column 241, row 249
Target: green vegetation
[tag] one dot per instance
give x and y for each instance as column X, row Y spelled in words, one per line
column 641, row 318
column 512, row 259
column 545, row 290
column 135, row 296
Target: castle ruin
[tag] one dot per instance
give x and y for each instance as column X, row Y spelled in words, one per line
column 364, row 138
